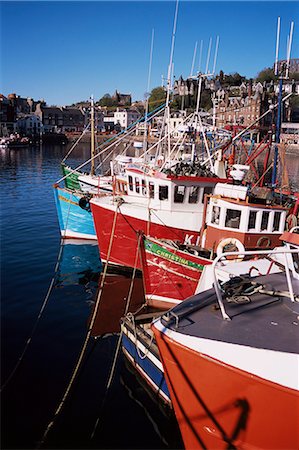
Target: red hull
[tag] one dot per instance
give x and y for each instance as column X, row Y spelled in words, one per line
column 170, row 275
column 124, row 243
column 202, row 387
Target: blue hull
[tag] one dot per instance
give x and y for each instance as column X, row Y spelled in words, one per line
column 147, row 362
column 74, row 221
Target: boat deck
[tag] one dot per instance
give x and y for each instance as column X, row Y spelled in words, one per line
column 266, row 321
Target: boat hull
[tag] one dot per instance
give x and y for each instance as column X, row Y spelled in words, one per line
column 118, row 234
column 139, row 348
column 71, row 181
column 211, row 398
column 170, row 274
column 74, row 222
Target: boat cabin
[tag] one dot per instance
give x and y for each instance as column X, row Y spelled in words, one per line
column 232, row 219
column 166, row 192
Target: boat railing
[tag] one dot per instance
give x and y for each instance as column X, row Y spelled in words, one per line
column 231, row 255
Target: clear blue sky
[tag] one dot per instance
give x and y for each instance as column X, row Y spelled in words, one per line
column 65, row 51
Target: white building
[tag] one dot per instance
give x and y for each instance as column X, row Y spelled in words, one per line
column 125, row 118
column 29, row 125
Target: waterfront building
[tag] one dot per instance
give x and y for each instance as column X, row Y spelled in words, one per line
column 29, row 125
column 125, row 117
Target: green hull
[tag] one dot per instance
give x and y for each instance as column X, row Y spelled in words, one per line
column 71, row 182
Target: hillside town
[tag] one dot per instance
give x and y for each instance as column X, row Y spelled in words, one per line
column 230, row 102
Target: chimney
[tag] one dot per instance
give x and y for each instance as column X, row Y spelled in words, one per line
column 250, row 88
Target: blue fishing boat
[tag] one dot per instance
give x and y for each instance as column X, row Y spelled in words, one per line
column 140, row 349
column 74, row 214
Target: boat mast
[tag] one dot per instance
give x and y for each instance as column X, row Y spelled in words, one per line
column 147, row 93
column 279, row 109
column 167, row 109
column 92, row 147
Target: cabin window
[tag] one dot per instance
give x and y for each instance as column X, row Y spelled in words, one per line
column 207, row 190
column 130, row 183
column 143, row 187
column 215, row 215
column 163, row 192
column 233, row 218
column 151, row 187
column 252, row 220
column 179, row 194
column 276, row 221
column 193, row 194
column 265, row 220
column 137, row 185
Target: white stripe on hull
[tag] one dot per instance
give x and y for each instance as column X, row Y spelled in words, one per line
column 144, row 350
column 76, row 235
column 278, row 367
column 160, row 298
column 144, row 374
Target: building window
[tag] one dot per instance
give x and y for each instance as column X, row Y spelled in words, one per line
column 193, row 194
column 151, row 187
column 130, row 183
column 137, row 185
column 276, row 221
column 252, row 220
column 179, row 194
column 163, row 192
column 265, row 220
column 233, row 218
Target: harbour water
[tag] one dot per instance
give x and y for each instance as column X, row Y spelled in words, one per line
column 30, row 243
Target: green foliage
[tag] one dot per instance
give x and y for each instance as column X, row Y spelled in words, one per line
column 266, row 75
column 156, row 98
column 107, row 100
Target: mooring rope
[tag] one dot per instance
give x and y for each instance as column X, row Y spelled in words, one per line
column 118, row 346
column 83, row 349
column 44, row 304
column 76, row 143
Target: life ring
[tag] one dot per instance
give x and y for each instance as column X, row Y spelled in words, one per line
column 232, row 242
column 84, row 203
column 261, row 240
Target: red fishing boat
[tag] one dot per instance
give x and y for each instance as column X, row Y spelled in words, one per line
column 166, row 205
column 230, row 357
column 235, row 218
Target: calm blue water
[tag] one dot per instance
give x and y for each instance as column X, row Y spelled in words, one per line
column 29, row 248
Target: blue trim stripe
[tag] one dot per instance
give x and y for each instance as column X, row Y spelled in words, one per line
column 151, row 370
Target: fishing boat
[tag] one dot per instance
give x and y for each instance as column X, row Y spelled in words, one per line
column 165, row 204
column 230, row 356
column 141, row 351
column 236, row 218
column 138, row 343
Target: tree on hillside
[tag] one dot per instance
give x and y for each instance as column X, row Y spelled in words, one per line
column 157, row 98
column 266, row 75
column 106, row 100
